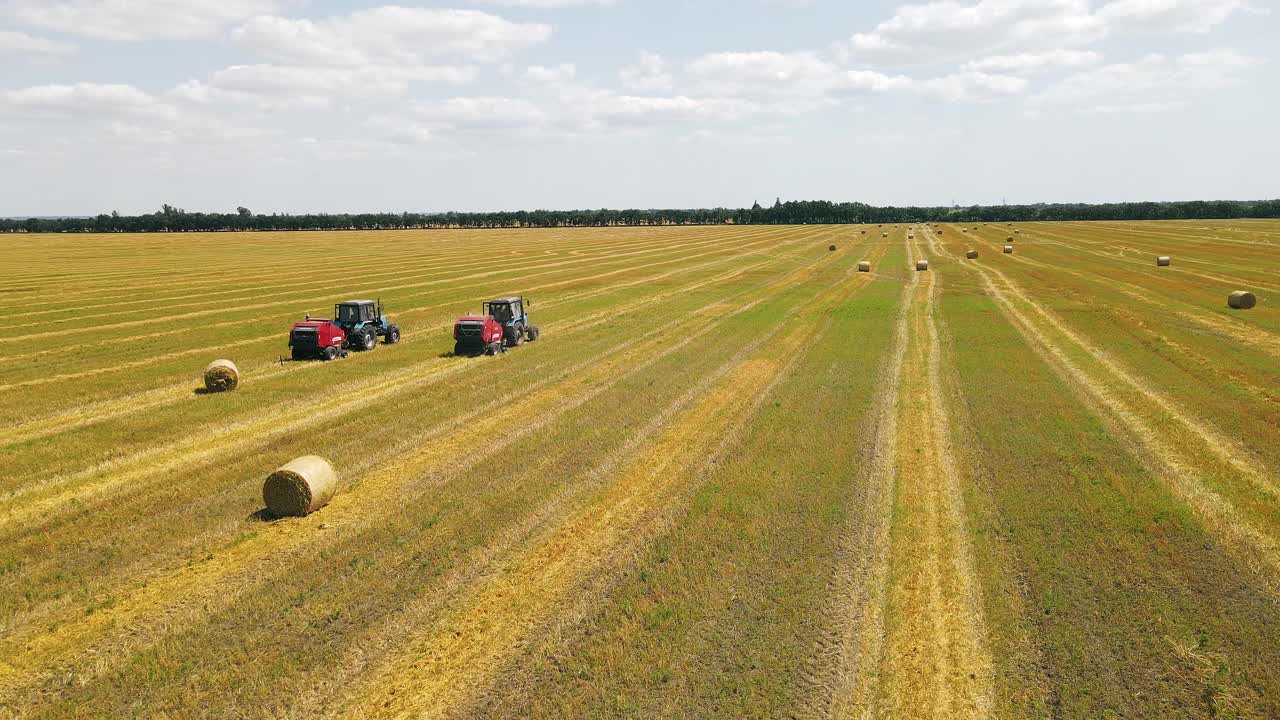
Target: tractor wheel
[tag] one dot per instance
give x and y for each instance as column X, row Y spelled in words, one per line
column 369, row 341
column 533, row 333
column 330, row 353
column 514, row 335
column 393, row 335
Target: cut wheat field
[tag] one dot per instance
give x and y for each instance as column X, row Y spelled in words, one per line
column 735, row 477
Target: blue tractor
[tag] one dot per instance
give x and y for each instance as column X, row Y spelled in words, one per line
column 364, row 323
column 511, row 313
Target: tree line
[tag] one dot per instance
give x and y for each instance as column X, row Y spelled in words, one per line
column 819, row 212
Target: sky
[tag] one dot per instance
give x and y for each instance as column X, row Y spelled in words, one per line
column 326, row 106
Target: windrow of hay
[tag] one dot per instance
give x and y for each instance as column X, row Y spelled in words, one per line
column 1008, row 249
column 300, row 487
column 221, row 376
column 1162, row 261
column 971, row 254
column 1241, row 300
column 864, row 266
column 922, row 265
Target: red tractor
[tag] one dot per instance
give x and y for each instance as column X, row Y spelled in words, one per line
column 504, row 323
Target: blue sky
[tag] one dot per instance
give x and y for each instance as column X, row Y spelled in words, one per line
column 297, row 105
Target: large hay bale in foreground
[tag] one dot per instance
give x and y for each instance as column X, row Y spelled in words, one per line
column 864, row 266
column 1241, row 300
column 1008, row 249
column 922, row 265
column 300, row 487
column 971, row 254
column 221, row 376
column 1162, row 261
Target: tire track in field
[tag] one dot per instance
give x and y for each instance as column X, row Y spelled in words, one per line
column 1065, row 241
column 152, row 399
column 437, row 247
column 463, row 652
column 163, row 605
column 1171, row 459
column 154, row 359
column 1230, row 452
column 857, row 589
column 153, row 609
column 921, row 650
column 1228, row 326
column 421, row 255
column 934, row 658
column 447, row 267
column 547, row 269
column 259, row 430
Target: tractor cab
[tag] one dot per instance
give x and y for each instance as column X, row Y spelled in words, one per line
column 364, row 324
column 506, row 311
column 355, row 312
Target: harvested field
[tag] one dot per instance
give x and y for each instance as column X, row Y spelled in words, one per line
column 740, row 475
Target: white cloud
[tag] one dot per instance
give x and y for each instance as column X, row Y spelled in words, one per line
column 388, row 35
column 554, row 75
column 85, row 100
column 1153, row 82
column 1186, row 16
column 137, row 19
column 482, row 113
column 648, row 74
column 972, row 86
column 950, row 30
column 32, row 47
column 286, row 86
column 797, row 74
column 1031, row 63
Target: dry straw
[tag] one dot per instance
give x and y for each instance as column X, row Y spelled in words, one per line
column 1162, row 261
column 922, row 265
column 221, row 376
column 971, row 254
column 300, row 487
column 864, row 266
column 1241, row 300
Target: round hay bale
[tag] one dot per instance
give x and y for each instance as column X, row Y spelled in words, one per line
column 884, row 235
column 922, row 265
column 221, row 376
column 864, row 266
column 971, row 254
column 1017, row 232
column 1008, row 249
column 300, row 487
column 1162, row 261
column 831, row 248
column 964, row 229
column 1241, row 300
column 1009, row 239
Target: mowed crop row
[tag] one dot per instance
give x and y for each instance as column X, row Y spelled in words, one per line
column 736, row 477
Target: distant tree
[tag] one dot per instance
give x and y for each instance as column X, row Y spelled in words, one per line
column 244, row 212
column 756, row 206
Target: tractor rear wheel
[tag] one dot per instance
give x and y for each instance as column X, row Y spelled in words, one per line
column 533, row 333
column 514, row 335
column 369, row 341
column 330, row 353
column 393, row 335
